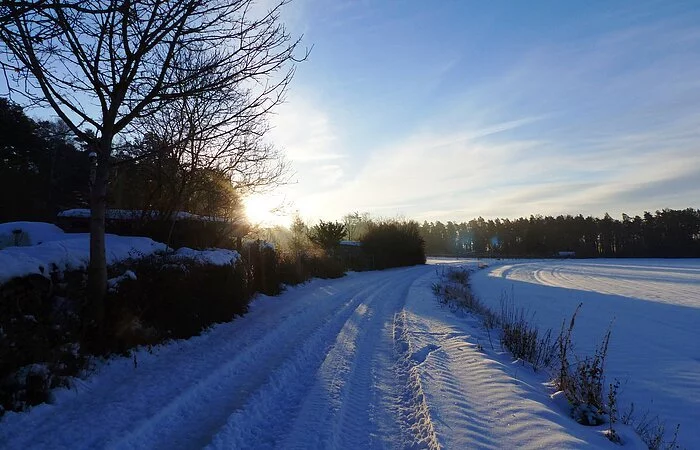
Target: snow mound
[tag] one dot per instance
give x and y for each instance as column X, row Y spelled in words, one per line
column 29, row 233
column 70, row 253
column 216, row 256
column 113, row 283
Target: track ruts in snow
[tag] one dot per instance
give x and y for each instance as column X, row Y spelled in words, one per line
column 324, row 397
column 205, row 407
column 185, row 391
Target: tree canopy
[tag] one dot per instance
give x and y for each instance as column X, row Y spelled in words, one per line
column 666, row 233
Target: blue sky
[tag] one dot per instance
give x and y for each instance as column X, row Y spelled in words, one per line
column 450, row 110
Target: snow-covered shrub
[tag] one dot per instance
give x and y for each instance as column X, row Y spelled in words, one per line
column 651, row 429
column 518, row 334
column 458, row 276
column 453, row 290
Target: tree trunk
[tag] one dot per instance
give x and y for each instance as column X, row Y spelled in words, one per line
column 97, row 270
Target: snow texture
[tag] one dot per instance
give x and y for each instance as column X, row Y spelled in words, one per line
column 70, row 251
column 653, row 307
column 113, row 283
column 368, row 361
column 28, row 233
column 216, row 256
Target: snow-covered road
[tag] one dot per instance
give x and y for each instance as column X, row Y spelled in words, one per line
column 367, row 361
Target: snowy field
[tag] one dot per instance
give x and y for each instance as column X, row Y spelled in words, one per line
column 367, row 361
column 654, row 306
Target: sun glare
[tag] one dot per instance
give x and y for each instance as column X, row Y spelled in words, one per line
column 262, row 210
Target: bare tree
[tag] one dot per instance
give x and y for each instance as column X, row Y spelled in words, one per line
column 103, row 65
column 218, row 131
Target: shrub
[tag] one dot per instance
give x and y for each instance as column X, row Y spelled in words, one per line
column 327, row 235
column 521, row 338
column 394, row 244
column 40, row 331
column 454, row 291
column 262, row 268
column 651, row 430
column 174, row 299
column 47, row 331
column 583, row 383
column 294, row 270
column 518, row 335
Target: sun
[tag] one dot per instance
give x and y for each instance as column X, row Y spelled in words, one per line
column 263, row 210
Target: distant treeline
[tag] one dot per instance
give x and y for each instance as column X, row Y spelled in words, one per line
column 665, row 234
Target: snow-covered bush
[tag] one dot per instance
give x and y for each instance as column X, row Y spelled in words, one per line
column 46, row 320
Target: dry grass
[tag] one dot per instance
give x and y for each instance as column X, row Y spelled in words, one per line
column 592, row 400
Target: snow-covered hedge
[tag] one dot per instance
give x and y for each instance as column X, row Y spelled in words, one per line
column 44, row 248
column 215, row 257
column 71, row 252
column 135, row 214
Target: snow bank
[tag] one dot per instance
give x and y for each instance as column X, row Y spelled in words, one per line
column 70, row 253
column 216, row 257
column 29, row 233
column 45, row 247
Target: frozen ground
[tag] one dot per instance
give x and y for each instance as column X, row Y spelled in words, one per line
column 367, row 361
column 655, row 308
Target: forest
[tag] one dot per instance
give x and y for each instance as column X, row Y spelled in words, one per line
column 667, row 233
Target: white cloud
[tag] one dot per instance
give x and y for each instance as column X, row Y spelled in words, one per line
column 585, row 128
column 304, row 132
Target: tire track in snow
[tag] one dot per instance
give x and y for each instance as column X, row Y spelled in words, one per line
column 676, row 285
column 356, row 424
column 344, row 406
column 191, row 418
column 270, row 413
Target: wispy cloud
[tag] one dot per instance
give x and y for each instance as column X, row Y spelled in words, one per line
column 304, row 131
column 602, row 123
